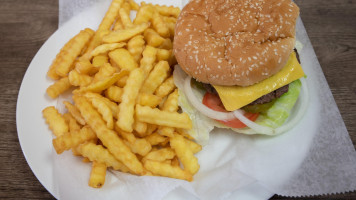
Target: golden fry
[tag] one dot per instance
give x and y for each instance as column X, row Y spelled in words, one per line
column 133, row 5
column 58, row 87
column 140, row 128
column 185, row 154
column 122, row 81
column 97, row 175
column 105, row 24
column 155, row 139
column 127, row 105
column 112, row 105
column 164, row 169
column 104, row 110
column 70, row 140
column 171, row 104
column 168, row 10
column 151, row 128
column 100, row 154
column 123, row 59
column 144, row 14
column 140, row 146
column 126, row 34
column 184, row 133
column 114, row 93
column 175, row 161
column 127, row 7
column 125, row 135
column 194, row 147
column 166, row 87
column 148, row 58
column 110, row 15
column 52, row 69
column 163, row 118
column 55, row 121
column 104, row 48
column 73, row 52
column 156, row 77
column 148, row 100
column 153, row 38
column 100, row 60
column 118, row 24
column 167, row 44
column 159, row 25
column 77, row 79
column 104, row 72
column 74, row 112
column 166, row 131
column 85, row 67
column 72, row 122
column 125, row 18
column 135, row 46
column 160, row 155
column 103, row 84
column 108, row 137
column 163, row 54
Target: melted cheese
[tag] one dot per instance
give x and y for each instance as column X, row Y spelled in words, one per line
column 235, row 97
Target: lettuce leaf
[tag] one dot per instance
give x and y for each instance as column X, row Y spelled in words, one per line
column 278, row 113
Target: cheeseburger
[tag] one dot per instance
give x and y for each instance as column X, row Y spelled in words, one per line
column 241, row 54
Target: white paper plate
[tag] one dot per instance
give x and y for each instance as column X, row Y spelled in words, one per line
column 36, row 139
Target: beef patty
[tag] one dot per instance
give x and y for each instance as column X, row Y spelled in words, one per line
column 264, row 99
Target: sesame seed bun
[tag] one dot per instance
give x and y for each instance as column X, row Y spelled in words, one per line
column 235, row 42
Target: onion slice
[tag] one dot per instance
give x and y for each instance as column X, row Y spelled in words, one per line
column 225, row 116
column 256, row 127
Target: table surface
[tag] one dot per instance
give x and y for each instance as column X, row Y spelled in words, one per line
column 26, row 24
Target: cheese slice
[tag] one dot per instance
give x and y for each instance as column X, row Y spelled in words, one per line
column 235, row 97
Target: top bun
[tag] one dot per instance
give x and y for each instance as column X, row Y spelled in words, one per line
column 235, row 42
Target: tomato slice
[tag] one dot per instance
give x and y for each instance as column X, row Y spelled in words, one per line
column 213, row 101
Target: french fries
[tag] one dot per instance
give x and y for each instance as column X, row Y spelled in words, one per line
column 126, row 108
column 162, row 118
column 97, row 175
column 109, row 138
column 125, row 112
column 135, row 46
column 80, row 40
column 58, row 87
column 164, row 169
column 55, row 121
column 156, row 77
column 125, row 34
column 123, row 59
column 71, row 140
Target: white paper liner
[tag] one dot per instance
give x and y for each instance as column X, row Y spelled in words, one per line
column 293, row 164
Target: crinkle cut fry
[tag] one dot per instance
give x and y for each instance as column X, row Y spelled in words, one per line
column 106, row 23
column 80, row 40
column 70, row 140
column 98, row 153
column 55, row 121
column 108, row 137
column 97, row 175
